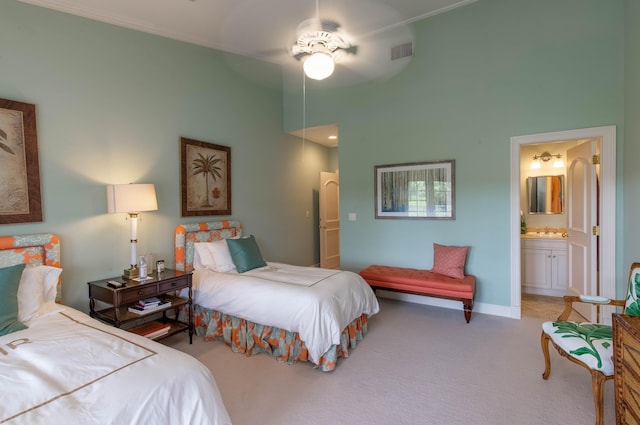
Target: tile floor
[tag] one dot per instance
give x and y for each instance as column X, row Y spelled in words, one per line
column 545, row 307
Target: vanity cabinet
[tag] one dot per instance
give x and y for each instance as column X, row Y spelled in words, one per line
column 544, row 266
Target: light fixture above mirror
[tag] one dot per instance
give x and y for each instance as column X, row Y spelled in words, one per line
column 546, row 157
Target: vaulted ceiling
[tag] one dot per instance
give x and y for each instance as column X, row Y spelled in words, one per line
column 267, row 29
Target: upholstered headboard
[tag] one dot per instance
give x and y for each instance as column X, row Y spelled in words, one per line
column 187, row 234
column 34, row 250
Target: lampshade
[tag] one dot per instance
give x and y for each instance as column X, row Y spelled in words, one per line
column 128, row 198
column 318, row 66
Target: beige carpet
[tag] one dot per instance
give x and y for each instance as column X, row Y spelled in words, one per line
column 417, row 365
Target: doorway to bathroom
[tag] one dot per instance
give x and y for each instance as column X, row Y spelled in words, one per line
column 590, row 263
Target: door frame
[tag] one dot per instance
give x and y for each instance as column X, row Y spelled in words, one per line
column 607, row 207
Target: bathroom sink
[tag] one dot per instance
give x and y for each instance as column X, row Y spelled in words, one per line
column 542, row 235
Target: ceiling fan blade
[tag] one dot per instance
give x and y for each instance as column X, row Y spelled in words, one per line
column 373, row 60
column 351, row 50
column 299, row 56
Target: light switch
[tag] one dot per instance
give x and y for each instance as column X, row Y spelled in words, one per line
column 352, row 217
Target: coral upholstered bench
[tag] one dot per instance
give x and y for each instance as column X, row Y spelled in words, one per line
column 446, row 279
column 422, row 282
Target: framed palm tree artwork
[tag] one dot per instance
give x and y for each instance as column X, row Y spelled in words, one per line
column 205, row 174
column 20, row 200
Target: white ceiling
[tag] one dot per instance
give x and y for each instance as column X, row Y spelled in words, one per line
column 266, row 29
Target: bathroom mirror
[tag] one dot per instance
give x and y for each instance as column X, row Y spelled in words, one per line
column 545, row 194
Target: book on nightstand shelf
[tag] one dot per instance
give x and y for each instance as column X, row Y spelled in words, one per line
column 150, row 308
column 148, row 302
column 152, row 329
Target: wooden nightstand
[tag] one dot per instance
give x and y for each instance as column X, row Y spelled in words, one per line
column 164, row 286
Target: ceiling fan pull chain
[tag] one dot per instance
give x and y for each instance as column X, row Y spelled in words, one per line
column 304, row 109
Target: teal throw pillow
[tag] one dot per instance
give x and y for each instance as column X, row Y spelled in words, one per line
column 9, row 282
column 245, row 254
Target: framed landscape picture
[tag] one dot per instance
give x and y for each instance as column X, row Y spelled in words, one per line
column 20, row 200
column 419, row 190
column 205, row 175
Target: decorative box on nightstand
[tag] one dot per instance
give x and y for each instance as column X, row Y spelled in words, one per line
column 164, row 286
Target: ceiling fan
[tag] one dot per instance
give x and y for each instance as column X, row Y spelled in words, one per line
column 319, row 45
column 355, row 38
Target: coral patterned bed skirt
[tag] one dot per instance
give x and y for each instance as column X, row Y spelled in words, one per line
column 251, row 338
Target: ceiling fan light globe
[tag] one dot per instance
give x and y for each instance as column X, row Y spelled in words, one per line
column 318, row 66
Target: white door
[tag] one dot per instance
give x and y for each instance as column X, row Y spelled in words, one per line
column 582, row 217
column 329, row 220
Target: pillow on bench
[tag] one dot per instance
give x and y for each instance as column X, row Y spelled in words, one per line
column 449, row 260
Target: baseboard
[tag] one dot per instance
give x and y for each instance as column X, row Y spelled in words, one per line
column 492, row 309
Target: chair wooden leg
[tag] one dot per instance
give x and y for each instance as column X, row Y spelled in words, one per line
column 597, row 382
column 544, row 342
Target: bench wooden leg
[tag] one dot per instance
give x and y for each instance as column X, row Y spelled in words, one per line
column 467, row 310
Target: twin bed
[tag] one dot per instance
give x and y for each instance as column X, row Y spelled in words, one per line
column 66, row 367
column 292, row 313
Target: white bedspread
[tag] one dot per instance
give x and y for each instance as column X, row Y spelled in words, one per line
column 316, row 303
column 68, row 368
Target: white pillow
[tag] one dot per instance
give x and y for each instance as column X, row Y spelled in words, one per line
column 213, row 255
column 202, row 256
column 222, row 256
column 37, row 292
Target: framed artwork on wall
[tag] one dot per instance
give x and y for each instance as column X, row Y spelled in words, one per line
column 20, row 200
column 418, row 190
column 205, row 177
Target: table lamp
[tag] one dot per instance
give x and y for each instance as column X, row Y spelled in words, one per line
column 131, row 199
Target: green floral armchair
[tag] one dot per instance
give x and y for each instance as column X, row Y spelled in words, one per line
column 589, row 344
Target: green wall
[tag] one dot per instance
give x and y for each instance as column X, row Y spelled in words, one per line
column 112, row 105
column 480, row 75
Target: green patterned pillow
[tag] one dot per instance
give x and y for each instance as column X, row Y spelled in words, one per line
column 632, row 306
column 9, row 282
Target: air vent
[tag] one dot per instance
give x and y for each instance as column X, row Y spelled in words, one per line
column 402, row 51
